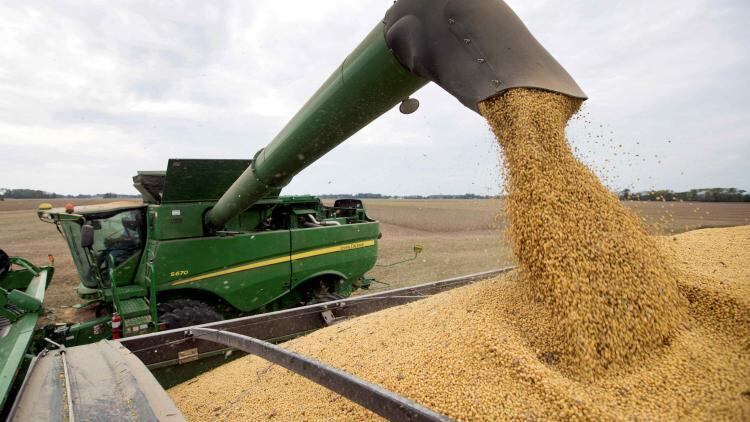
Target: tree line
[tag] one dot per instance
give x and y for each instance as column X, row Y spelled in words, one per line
column 693, row 195
column 40, row 194
column 381, row 196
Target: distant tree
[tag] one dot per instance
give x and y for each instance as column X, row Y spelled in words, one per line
column 40, row 194
column 698, row 195
column 29, row 194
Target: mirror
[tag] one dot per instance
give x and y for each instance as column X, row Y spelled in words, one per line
column 87, row 236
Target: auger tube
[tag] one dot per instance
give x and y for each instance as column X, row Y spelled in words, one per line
column 474, row 49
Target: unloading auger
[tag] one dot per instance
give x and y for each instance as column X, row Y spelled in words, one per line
column 474, row 49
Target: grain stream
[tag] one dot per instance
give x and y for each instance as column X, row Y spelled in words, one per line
column 600, row 321
column 598, row 292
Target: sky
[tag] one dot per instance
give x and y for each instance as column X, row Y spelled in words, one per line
column 91, row 92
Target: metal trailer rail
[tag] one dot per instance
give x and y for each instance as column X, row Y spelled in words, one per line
column 373, row 397
column 173, row 347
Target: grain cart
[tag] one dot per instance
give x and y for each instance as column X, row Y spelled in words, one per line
column 474, row 49
column 161, row 264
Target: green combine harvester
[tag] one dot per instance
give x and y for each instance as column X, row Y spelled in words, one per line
column 213, row 239
column 161, row 264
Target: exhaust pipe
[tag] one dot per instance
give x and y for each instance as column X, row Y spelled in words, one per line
column 315, row 223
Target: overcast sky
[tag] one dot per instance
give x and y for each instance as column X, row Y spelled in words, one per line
column 90, row 92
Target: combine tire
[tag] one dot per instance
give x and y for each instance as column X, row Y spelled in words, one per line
column 323, row 298
column 180, row 313
column 321, row 292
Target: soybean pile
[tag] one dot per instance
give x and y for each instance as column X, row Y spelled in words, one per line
column 600, row 321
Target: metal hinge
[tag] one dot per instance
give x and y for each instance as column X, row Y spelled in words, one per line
column 331, row 319
column 188, row 355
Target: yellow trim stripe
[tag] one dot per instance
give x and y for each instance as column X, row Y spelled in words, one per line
column 279, row 260
column 332, row 249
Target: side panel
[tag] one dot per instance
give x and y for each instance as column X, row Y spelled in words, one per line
column 176, row 221
column 350, row 249
column 247, row 270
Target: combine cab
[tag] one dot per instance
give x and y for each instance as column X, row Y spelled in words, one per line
column 156, row 265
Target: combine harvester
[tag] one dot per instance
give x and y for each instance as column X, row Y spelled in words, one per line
column 214, row 239
column 155, row 265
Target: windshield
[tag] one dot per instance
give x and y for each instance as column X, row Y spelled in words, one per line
column 72, row 232
column 120, row 235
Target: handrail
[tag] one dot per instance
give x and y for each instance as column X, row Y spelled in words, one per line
column 113, row 282
column 25, row 264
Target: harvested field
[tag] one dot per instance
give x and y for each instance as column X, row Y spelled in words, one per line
column 466, row 236
column 599, row 322
column 477, row 215
column 460, row 237
column 32, row 204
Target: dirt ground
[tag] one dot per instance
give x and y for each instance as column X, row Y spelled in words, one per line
column 466, row 236
column 458, row 237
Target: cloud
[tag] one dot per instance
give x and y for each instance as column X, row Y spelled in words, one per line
column 92, row 92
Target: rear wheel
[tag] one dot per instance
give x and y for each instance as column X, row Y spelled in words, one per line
column 179, row 313
column 330, row 297
column 322, row 292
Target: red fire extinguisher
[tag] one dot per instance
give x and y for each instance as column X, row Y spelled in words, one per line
column 116, row 326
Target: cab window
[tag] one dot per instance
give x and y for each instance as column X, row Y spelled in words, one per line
column 120, row 235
